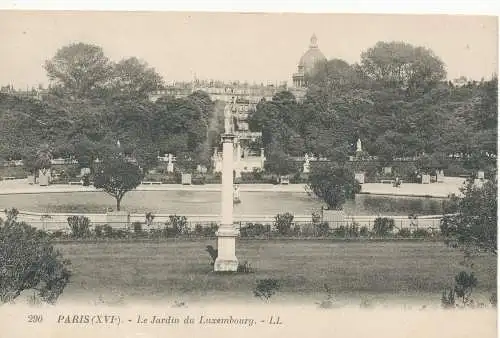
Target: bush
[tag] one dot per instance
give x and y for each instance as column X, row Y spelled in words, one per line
column 200, row 180
column 108, row 231
column 254, row 230
column 137, row 226
column 448, row 298
column 149, row 218
column 79, row 225
column 177, row 225
column 404, row 233
column 58, row 234
column 322, row 229
column 464, row 285
column 339, row 232
column 421, row 233
column 309, row 230
column 316, row 217
column 198, row 229
column 283, row 223
column 29, row 262
column 98, row 230
column 363, row 231
column 383, row 226
column 211, row 230
column 493, row 299
column 266, row 288
column 353, row 230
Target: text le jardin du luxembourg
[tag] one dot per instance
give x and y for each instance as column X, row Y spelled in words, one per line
column 165, row 319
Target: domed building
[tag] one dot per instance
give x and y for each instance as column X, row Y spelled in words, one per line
column 307, row 63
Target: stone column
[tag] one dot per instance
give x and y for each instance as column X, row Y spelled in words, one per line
column 226, row 236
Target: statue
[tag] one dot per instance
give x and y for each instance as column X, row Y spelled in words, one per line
column 358, row 146
column 307, row 159
column 307, row 166
column 228, row 129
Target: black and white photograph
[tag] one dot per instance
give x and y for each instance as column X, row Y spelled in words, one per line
column 165, row 174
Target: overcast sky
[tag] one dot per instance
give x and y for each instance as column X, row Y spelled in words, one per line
column 251, row 47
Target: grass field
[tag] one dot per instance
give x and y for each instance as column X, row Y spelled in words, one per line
column 117, row 272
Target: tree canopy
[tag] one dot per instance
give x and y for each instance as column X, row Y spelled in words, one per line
column 333, row 184
column 396, row 100
column 117, row 176
column 29, row 262
column 474, row 224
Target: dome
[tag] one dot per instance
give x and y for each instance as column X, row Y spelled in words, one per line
column 311, row 57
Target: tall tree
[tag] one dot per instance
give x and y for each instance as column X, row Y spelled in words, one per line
column 79, row 69
column 401, row 65
column 134, row 78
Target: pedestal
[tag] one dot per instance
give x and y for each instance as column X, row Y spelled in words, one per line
column 360, row 177
column 226, row 249
column 43, row 179
column 226, row 236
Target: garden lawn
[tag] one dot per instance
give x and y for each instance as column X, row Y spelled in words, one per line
column 115, row 272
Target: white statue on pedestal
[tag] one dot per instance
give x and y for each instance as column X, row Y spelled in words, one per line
column 170, row 164
column 359, row 148
column 307, row 165
column 228, row 129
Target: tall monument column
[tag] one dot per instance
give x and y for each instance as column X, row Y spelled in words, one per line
column 226, row 235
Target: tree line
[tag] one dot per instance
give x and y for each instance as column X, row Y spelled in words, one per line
column 94, row 104
column 396, row 100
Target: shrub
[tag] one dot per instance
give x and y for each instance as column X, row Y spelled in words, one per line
column 283, row 223
column 98, row 229
column 448, row 298
column 296, row 231
column 493, row 299
column 404, row 233
column 177, row 225
column 339, row 232
column 266, row 288
column 79, row 225
column 198, row 229
column 108, row 231
column 211, row 230
column 137, row 226
column 464, row 284
column 322, row 229
column 316, row 217
column 353, row 230
column 29, row 262
column 254, row 230
column 58, row 234
column 383, row 226
column 421, row 233
column 309, row 230
column 149, row 218
column 363, row 231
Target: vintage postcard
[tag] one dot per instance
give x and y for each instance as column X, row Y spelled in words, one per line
column 165, row 174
